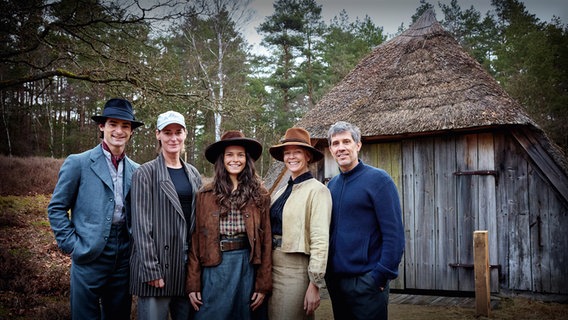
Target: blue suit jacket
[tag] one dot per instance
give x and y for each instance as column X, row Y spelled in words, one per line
column 81, row 208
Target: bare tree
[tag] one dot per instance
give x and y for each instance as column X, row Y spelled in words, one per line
column 210, row 47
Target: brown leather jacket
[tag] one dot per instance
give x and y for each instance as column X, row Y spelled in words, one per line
column 205, row 248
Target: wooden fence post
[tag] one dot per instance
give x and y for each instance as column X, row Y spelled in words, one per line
column 482, row 275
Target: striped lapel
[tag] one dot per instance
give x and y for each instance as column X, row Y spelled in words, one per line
column 167, row 185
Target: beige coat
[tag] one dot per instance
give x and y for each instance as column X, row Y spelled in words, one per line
column 305, row 225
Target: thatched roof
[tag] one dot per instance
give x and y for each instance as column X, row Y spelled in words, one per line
column 420, row 81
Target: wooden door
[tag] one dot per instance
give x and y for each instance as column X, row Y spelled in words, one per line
column 447, row 195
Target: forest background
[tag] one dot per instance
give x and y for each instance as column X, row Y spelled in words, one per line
column 60, row 60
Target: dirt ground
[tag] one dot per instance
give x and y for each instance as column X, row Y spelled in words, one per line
column 34, row 279
column 507, row 308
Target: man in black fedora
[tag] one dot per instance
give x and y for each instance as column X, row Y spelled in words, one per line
column 89, row 214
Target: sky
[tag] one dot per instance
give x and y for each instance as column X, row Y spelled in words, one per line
column 389, row 14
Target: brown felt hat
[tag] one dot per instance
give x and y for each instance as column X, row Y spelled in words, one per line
column 233, row 138
column 295, row 137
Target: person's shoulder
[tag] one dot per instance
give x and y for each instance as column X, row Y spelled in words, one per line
column 191, row 168
column 333, row 180
column 133, row 163
column 315, row 184
column 146, row 168
column 82, row 156
column 208, row 187
column 375, row 170
column 149, row 164
column 263, row 191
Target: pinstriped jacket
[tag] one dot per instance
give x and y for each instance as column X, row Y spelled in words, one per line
column 160, row 231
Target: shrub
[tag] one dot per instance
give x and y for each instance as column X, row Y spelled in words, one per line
column 28, row 176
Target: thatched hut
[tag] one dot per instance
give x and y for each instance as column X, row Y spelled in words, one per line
column 465, row 157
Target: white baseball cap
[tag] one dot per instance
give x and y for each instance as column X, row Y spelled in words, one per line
column 170, row 117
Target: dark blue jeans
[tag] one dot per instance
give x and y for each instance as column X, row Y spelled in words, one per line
column 357, row 298
column 99, row 289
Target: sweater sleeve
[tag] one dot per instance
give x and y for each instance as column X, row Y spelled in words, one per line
column 389, row 214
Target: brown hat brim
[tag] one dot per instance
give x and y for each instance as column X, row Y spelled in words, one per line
column 252, row 147
column 277, row 151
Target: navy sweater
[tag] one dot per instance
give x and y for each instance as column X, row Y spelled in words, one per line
column 367, row 234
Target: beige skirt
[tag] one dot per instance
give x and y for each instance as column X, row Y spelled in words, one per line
column 289, row 284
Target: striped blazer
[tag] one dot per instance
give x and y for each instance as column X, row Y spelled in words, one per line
column 160, row 232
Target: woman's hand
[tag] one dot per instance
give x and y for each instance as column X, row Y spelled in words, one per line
column 195, row 299
column 311, row 299
column 158, row 283
column 257, row 299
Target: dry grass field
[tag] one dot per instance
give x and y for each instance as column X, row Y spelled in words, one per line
column 34, row 280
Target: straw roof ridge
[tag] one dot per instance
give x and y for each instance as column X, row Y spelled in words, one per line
column 420, row 81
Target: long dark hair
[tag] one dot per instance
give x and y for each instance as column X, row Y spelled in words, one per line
column 249, row 188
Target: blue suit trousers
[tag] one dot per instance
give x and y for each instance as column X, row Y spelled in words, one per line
column 99, row 289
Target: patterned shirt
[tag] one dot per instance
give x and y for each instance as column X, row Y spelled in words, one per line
column 233, row 223
column 116, row 169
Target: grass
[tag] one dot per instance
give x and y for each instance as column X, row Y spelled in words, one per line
column 35, row 275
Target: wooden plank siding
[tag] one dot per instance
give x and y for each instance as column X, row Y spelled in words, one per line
column 487, row 219
column 539, row 223
column 515, row 187
column 557, row 247
column 536, row 215
column 467, row 207
column 424, row 195
column 446, row 277
column 501, row 190
column 408, row 212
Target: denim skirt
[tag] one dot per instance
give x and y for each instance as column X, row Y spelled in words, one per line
column 227, row 287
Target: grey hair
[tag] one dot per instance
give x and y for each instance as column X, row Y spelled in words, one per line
column 342, row 126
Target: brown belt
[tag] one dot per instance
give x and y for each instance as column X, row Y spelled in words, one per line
column 233, row 244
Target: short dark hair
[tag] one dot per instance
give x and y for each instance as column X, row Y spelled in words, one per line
column 342, row 126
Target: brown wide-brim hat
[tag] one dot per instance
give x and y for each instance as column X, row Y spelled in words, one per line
column 233, row 138
column 295, row 137
column 118, row 109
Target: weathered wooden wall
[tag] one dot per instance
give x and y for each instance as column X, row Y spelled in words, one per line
column 451, row 186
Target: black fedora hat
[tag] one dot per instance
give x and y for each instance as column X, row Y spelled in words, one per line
column 233, row 138
column 118, row 109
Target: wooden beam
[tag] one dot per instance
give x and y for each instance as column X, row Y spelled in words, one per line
column 543, row 160
column 482, row 275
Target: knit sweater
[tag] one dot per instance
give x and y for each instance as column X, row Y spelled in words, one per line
column 366, row 233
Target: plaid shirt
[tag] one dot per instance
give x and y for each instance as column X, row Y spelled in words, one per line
column 233, row 223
